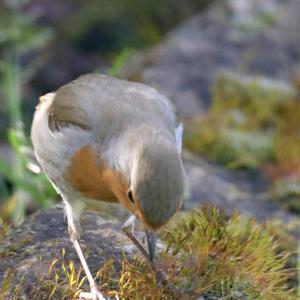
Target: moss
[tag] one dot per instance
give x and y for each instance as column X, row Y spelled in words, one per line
column 285, row 172
column 259, row 100
column 254, row 123
column 207, row 255
column 4, row 227
column 286, row 234
column 233, row 148
column 228, row 257
column 287, row 141
column 239, row 130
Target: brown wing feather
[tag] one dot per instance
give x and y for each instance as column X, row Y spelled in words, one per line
column 65, row 111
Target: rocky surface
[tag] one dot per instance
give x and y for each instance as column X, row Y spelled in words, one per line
column 249, row 37
column 229, row 190
column 29, row 249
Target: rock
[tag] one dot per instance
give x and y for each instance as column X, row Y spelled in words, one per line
column 231, row 190
column 255, row 38
column 30, row 248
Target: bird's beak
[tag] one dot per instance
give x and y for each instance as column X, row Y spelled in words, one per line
column 151, row 241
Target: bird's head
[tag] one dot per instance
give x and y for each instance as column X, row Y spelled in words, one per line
column 157, row 183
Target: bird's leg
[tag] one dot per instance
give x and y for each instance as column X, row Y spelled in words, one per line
column 94, row 294
column 74, row 235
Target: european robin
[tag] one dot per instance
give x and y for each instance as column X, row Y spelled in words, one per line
column 113, row 140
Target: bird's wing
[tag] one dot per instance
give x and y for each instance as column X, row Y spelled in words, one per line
column 65, row 111
column 114, row 104
column 107, row 105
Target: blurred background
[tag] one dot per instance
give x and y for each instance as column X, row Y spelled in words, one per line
column 231, row 67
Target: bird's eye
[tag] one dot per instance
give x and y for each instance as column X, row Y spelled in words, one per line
column 130, row 196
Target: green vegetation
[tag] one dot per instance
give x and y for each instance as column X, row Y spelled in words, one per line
column 253, row 123
column 29, row 184
column 239, row 129
column 285, row 174
column 119, row 62
column 19, row 37
column 206, row 255
column 262, row 21
column 234, row 257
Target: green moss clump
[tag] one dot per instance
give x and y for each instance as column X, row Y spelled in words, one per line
column 231, row 147
column 258, row 101
column 286, row 235
column 239, row 129
column 207, row 255
column 287, row 142
column 222, row 258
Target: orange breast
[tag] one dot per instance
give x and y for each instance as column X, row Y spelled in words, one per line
column 93, row 179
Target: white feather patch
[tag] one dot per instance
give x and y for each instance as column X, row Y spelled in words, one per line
column 178, row 136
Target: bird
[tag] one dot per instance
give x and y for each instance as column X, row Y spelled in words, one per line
column 108, row 139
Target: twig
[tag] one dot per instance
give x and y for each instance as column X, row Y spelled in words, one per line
column 161, row 277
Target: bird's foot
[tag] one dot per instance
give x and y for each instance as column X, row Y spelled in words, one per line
column 94, row 294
